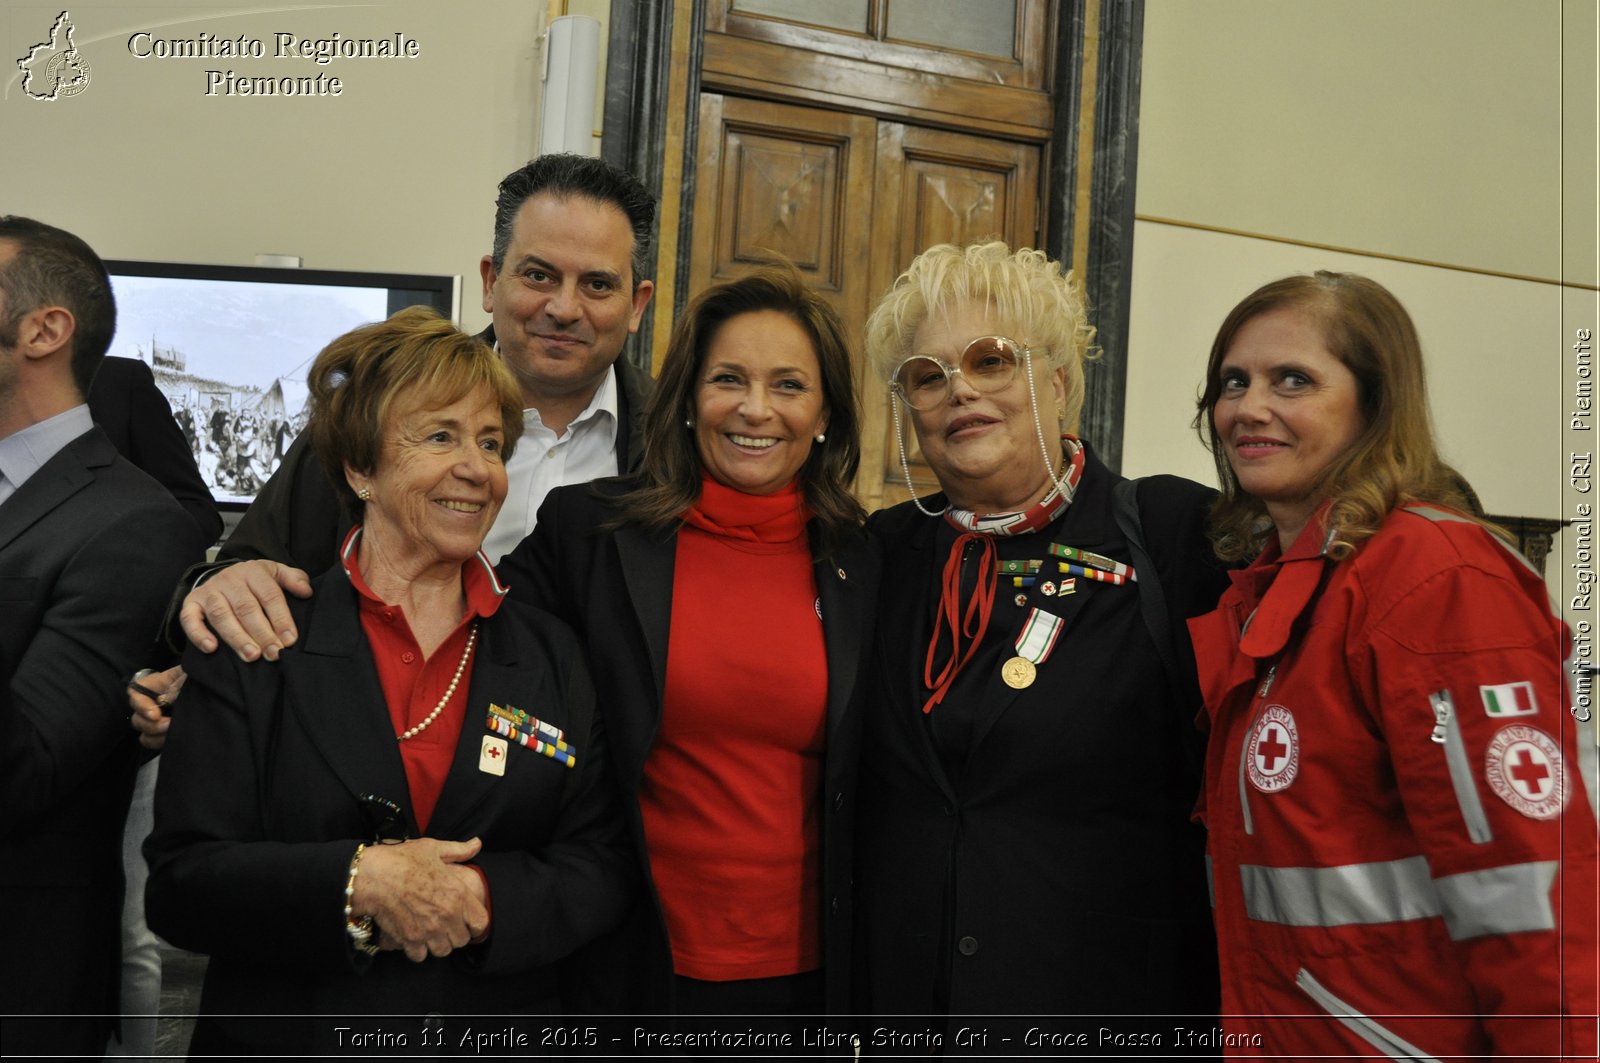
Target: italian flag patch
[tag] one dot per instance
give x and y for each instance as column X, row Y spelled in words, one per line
column 1509, row 699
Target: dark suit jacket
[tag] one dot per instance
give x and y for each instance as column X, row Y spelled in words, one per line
column 259, row 810
column 615, row 588
column 297, row 517
column 89, row 547
column 1042, row 861
column 136, row 417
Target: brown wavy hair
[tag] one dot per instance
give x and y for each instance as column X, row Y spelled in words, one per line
column 1393, row 462
column 357, row 379
column 669, row 475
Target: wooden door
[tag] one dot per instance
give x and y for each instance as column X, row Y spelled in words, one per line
column 934, row 187
column 1012, row 117
column 892, row 125
column 851, row 200
column 795, row 180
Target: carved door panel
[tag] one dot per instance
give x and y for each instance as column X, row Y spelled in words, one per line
column 795, row 180
column 851, row 200
column 934, row 187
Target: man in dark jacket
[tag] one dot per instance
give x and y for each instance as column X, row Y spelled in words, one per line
column 89, row 546
column 564, row 284
column 128, row 406
column 133, row 413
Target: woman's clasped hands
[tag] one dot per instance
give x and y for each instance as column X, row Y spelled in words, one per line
column 425, row 897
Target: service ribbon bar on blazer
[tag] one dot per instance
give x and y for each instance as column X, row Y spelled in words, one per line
column 1113, row 578
column 527, row 737
column 1092, row 560
column 517, row 718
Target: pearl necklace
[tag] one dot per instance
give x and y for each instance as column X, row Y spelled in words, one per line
column 466, row 654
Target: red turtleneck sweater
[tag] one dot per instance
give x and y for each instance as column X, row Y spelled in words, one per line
column 731, row 795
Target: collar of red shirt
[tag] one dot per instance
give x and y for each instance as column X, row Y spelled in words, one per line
column 484, row 589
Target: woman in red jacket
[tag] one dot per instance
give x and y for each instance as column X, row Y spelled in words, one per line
column 1399, row 801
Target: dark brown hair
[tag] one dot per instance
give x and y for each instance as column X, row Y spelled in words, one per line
column 567, row 176
column 671, row 470
column 52, row 267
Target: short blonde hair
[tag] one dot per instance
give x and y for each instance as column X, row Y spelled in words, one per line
column 357, row 378
column 1024, row 288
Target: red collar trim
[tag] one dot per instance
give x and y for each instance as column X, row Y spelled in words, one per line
column 1277, row 588
column 484, row 590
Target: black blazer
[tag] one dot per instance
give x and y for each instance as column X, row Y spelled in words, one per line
column 297, row 518
column 258, row 811
column 136, row 417
column 615, row 588
column 1039, row 858
column 89, row 548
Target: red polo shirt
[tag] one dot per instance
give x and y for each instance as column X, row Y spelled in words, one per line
column 413, row 684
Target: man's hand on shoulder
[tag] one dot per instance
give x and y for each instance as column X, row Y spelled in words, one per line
column 245, row 607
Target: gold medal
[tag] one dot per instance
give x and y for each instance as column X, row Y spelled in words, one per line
column 1018, row 673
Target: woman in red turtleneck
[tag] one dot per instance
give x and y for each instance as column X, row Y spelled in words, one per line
column 724, row 593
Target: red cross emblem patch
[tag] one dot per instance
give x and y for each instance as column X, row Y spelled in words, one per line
column 492, row 755
column 1523, row 766
column 1272, row 757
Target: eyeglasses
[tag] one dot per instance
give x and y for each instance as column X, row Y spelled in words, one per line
column 988, row 364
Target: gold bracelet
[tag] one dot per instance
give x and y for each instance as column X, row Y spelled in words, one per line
column 362, row 931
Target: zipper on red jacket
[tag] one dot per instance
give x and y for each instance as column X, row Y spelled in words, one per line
column 1447, row 733
column 1244, row 748
column 1266, row 685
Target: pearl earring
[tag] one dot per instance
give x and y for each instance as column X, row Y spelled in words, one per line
column 821, row 438
column 687, row 423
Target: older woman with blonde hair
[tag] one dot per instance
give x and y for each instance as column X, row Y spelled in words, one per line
column 1400, row 804
column 1030, row 762
column 409, row 812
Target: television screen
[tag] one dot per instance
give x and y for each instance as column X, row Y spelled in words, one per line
column 230, row 347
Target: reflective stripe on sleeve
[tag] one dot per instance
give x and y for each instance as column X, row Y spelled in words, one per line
column 1388, row 891
column 1444, row 516
column 1498, row 900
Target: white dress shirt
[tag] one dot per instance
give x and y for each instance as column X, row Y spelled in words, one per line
column 586, row 451
column 24, row 453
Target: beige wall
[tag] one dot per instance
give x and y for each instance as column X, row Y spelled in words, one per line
column 396, row 173
column 1424, row 128
column 1446, row 146
column 1494, row 351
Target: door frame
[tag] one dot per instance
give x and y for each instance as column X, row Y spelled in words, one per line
column 651, row 130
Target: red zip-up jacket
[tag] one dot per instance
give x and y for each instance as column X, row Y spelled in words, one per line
column 1402, row 825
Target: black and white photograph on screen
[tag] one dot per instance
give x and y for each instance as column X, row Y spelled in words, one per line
column 230, row 348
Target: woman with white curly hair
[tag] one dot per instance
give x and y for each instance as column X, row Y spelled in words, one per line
column 1030, row 761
